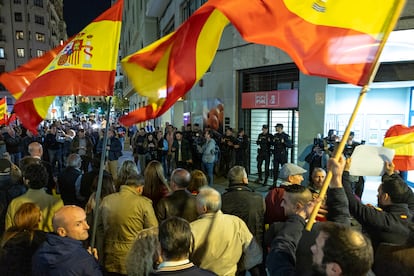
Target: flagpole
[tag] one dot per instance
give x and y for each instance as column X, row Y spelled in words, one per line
column 100, row 177
column 362, row 93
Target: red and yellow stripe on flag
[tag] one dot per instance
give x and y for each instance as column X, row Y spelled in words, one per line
column 167, row 69
column 338, row 39
column 401, row 139
column 3, row 111
column 83, row 65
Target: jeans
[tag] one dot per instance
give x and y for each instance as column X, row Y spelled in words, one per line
column 208, row 169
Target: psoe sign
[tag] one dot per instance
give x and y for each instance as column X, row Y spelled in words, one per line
column 270, row 99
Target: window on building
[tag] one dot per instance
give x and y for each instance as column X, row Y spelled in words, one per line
column 19, row 35
column 38, row 3
column 2, row 52
column 39, row 20
column 17, row 1
column 40, row 53
column 18, row 17
column 20, row 52
column 40, row 37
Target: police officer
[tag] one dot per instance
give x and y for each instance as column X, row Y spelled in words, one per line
column 281, row 142
column 227, row 146
column 242, row 153
column 264, row 142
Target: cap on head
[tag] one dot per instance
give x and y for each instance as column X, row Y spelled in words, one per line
column 289, row 169
column 279, row 125
column 265, row 126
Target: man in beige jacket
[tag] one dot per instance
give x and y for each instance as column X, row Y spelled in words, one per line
column 121, row 216
column 36, row 177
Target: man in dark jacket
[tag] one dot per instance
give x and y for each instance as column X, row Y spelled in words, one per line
column 68, row 181
column 182, row 150
column 176, row 244
column 62, row 253
column 241, row 201
column 181, row 202
column 390, row 223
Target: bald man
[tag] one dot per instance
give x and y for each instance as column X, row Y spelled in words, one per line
column 63, row 253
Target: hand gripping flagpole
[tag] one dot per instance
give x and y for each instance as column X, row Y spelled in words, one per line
column 391, row 23
column 100, row 176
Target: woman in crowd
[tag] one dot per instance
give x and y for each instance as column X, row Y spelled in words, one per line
column 156, row 186
column 145, row 254
column 198, row 180
column 21, row 241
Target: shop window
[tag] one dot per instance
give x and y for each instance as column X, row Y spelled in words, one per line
column 19, row 35
column 20, row 52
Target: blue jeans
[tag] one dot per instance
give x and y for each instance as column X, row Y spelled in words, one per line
column 208, row 169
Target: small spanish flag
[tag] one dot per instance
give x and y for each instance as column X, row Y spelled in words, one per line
column 84, row 65
column 401, row 139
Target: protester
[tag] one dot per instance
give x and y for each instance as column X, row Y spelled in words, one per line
column 176, row 241
column 216, row 246
column 21, row 241
column 121, row 216
column 35, row 176
column 145, row 254
column 62, row 253
column 180, row 203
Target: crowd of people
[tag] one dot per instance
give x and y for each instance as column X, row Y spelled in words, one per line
column 158, row 214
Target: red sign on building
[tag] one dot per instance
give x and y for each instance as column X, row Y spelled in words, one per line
column 270, row 99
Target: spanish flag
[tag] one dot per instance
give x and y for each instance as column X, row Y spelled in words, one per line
column 339, row 39
column 83, row 65
column 401, row 139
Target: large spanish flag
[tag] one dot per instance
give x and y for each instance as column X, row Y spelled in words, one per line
column 83, row 65
column 338, row 39
column 401, row 139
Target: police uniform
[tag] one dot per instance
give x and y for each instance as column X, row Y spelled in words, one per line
column 281, row 142
column 264, row 142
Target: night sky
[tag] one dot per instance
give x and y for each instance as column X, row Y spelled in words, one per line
column 79, row 13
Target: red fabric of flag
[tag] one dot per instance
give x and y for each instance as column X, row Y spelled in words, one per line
column 333, row 39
